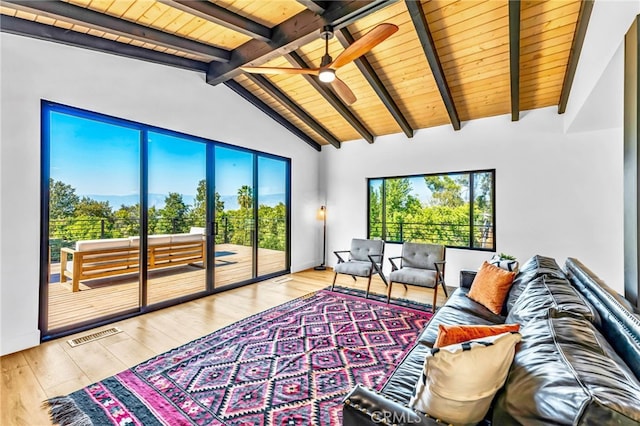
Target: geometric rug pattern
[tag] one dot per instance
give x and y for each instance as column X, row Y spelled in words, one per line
column 290, row 365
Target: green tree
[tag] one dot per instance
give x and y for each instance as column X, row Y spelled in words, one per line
column 245, row 197
column 126, row 221
column 92, row 208
column 62, row 200
column 198, row 214
column 447, row 191
column 173, row 216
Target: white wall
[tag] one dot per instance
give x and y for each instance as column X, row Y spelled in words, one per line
column 557, row 194
column 167, row 97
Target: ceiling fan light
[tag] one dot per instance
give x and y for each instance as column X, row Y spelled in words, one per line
column 327, row 75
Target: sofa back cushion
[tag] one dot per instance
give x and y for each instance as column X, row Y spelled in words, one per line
column 106, row 244
column 533, row 268
column 620, row 322
column 547, row 292
column 566, row 373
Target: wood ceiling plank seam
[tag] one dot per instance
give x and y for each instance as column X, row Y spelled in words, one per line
column 346, row 39
column 221, row 16
column 23, row 27
column 297, row 61
column 514, row 57
column 460, row 30
column 108, row 23
column 549, row 26
column 443, row 17
column 101, row 5
column 395, row 12
column 289, row 35
column 534, row 19
column 422, row 29
column 555, row 42
column 255, row 101
column 556, row 33
column 276, row 93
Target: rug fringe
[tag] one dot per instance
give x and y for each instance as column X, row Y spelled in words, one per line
column 64, row 411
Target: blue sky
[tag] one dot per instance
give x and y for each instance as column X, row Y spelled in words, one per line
column 99, row 158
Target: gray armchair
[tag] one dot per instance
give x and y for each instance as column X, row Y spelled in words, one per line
column 420, row 265
column 365, row 259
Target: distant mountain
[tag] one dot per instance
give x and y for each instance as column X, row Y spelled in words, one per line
column 157, row 200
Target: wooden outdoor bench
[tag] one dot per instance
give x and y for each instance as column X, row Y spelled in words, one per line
column 104, row 258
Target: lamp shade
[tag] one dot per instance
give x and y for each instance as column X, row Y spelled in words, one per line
column 322, row 213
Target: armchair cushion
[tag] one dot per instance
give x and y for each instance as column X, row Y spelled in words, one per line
column 358, row 268
column 414, row 276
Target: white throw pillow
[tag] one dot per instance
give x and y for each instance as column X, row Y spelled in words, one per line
column 459, row 381
column 511, row 265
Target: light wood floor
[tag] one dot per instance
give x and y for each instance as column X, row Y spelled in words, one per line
column 55, row 368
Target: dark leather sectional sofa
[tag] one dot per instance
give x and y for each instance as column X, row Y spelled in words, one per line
column 578, row 362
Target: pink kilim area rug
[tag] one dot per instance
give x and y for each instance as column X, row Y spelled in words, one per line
column 290, row 365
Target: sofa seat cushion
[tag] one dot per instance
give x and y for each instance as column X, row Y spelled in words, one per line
column 358, row 268
column 106, row 244
column 459, row 300
column 449, row 315
column 566, row 373
column 401, row 383
column 186, row 238
column 414, row 276
column 547, row 292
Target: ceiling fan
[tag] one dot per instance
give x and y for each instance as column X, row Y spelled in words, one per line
column 328, row 67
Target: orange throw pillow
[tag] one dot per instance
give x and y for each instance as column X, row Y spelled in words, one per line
column 490, row 287
column 452, row 334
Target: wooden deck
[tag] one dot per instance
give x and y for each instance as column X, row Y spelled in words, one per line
column 108, row 296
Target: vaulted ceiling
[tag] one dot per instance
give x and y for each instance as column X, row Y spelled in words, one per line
column 449, row 62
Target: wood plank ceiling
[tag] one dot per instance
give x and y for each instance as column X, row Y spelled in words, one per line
column 450, row 61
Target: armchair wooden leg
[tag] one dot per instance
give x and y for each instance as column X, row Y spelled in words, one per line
column 389, row 291
column 444, row 288
column 334, row 280
column 435, row 299
column 366, row 296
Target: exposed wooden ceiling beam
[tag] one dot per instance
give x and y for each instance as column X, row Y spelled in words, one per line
column 318, row 7
column 514, row 57
column 237, row 87
column 79, row 15
column 346, row 39
column 297, row 61
column 276, row 93
column 576, row 47
column 221, row 16
column 293, row 33
column 422, row 29
column 34, row 29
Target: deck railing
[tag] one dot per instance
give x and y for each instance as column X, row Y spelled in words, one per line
column 449, row 234
column 65, row 232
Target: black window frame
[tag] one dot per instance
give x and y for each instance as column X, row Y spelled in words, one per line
column 471, row 226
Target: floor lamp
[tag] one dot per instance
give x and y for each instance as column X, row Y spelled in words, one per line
column 322, row 215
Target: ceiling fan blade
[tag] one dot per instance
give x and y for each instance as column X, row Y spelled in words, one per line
column 343, row 91
column 364, row 44
column 276, row 70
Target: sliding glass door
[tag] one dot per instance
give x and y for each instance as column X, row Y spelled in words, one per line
column 136, row 218
column 176, row 217
column 94, row 216
column 272, row 215
column 234, row 223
